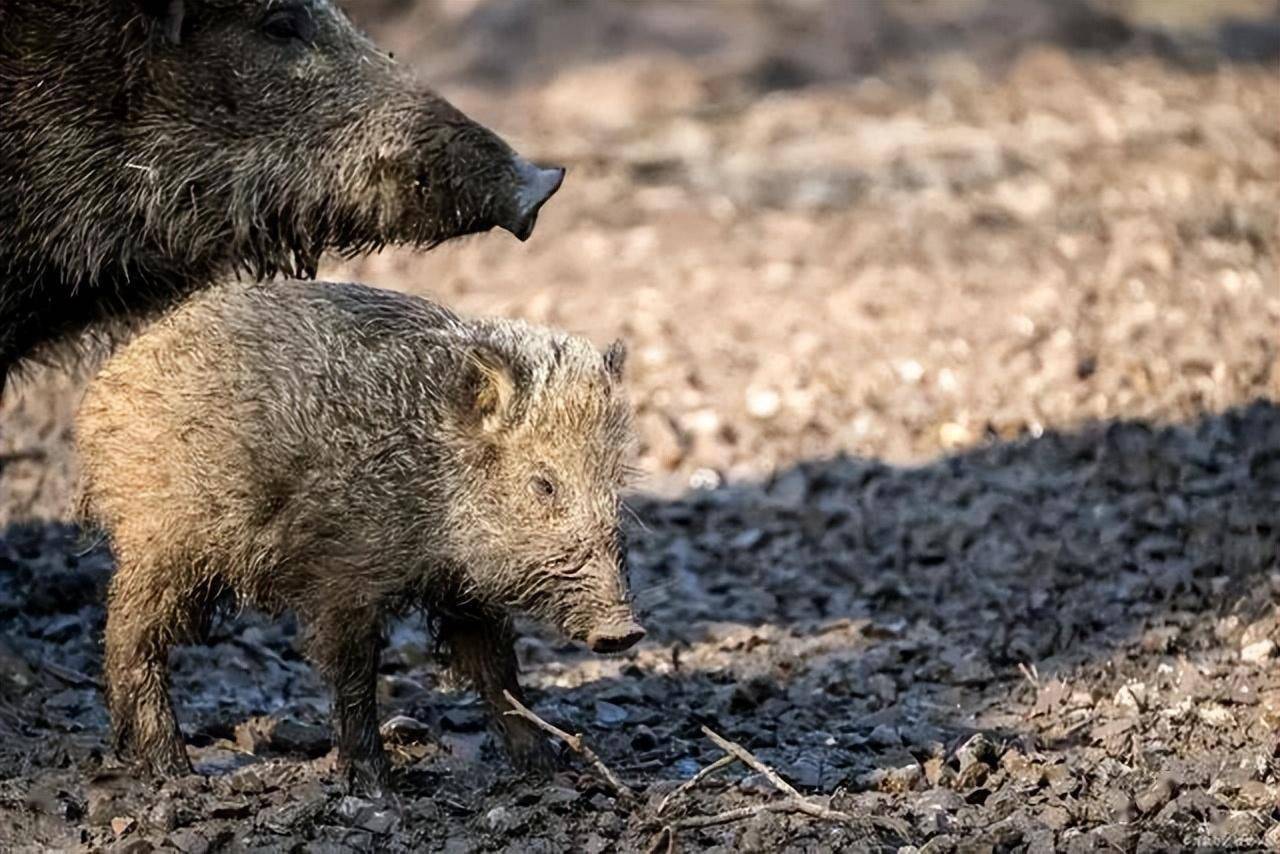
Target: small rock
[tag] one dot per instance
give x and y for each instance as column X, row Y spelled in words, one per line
column 283, row 735
column 805, row 772
column 609, row 715
column 305, row 803
column 230, row 808
column 1120, row 806
column 1055, row 817
column 1020, row 768
column 884, row 735
column 1115, row 837
column 1132, row 696
column 746, row 540
column 163, row 816
column 560, row 795
column 403, row 729
column 1155, row 796
column 952, row 435
column 1216, row 715
column 902, row 779
column 1258, row 651
column 1060, row 780
column 939, row 799
column 937, row 772
column 459, row 845
column 763, row 403
column 977, row 749
column 464, row 719
column 909, row 371
column 756, row 784
column 502, row 820
column 642, row 738
column 941, row 844
column 120, row 825
column 790, row 489
column 378, row 821
column 188, row 841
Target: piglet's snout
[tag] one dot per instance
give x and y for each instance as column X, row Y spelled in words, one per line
column 615, row 636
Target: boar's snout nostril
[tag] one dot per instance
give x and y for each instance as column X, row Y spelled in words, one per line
column 615, row 638
column 534, row 185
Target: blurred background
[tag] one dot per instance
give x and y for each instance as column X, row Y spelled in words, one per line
column 889, row 227
column 955, row 345
column 892, row 227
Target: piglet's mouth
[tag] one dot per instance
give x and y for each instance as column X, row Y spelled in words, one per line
column 615, row 637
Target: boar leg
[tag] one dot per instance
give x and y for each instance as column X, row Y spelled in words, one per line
column 145, row 617
column 343, row 643
column 482, row 651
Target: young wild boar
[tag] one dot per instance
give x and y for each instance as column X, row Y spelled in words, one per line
column 345, row 452
column 151, row 147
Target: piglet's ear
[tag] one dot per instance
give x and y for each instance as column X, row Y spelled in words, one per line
column 168, row 16
column 489, row 392
column 615, row 360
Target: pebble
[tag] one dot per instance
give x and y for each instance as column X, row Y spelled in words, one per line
column 763, row 403
column 1155, row 795
column 610, row 714
column 1258, row 651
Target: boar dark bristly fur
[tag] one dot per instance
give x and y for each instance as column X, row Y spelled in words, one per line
column 345, row 452
column 151, row 147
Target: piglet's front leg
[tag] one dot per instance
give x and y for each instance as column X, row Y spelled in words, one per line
column 344, row 644
column 483, row 653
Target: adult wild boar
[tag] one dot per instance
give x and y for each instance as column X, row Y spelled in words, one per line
column 345, row 452
column 149, row 147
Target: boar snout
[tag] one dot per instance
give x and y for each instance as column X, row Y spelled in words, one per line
column 534, row 185
column 615, row 636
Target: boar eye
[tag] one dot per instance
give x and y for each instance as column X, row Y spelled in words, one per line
column 543, row 487
column 291, row 23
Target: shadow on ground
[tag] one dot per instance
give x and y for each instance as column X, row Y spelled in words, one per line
column 1062, row 640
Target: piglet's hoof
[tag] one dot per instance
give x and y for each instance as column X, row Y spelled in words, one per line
column 368, row 778
column 167, row 765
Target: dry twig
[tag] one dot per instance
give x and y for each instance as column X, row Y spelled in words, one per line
column 722, row 762
column 574, row 743
column 793, row 803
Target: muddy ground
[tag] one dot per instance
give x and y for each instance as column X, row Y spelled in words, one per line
column 955, row 332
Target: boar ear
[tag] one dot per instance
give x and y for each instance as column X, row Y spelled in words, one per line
column 615, row 359
column 490, row 389
column 168, row 15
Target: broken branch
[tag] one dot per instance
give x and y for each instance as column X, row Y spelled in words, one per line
column 748, row 758
column 574, row 743
column 793, row 803
column 703, row 773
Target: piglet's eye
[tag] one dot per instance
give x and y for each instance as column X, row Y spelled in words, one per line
column 289, row 24
column 542, row 487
